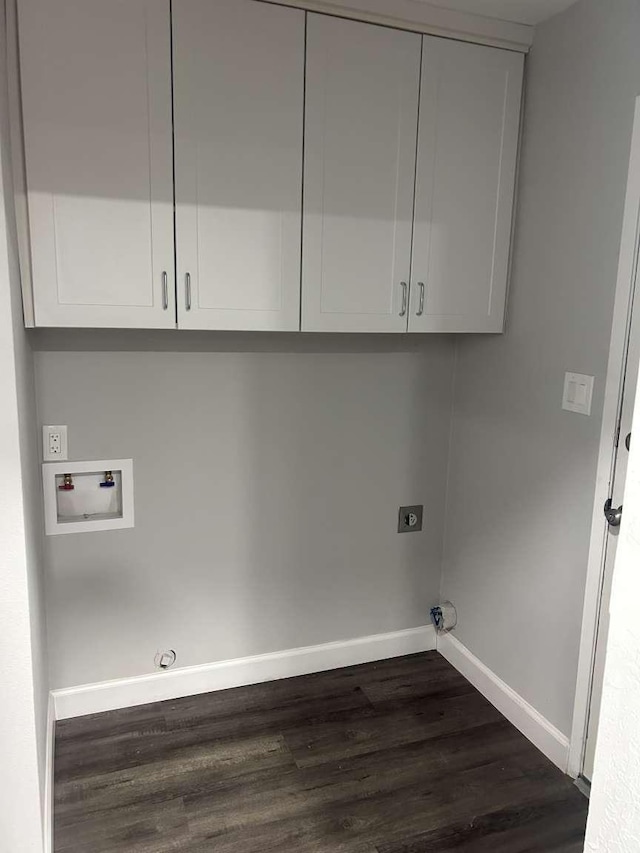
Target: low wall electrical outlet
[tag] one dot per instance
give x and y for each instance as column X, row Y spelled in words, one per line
column 410, row 519
column 54, row 444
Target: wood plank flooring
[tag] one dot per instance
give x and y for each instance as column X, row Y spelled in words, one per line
column 400, row 756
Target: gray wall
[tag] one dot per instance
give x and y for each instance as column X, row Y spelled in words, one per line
column 267, row 486
column 267, row 481
column 522, row 470
column 23, row 710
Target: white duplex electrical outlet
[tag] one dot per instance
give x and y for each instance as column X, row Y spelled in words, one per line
column 54, row 444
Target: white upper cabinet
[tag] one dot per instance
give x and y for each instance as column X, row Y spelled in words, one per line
column 239, row 107
column 362, row 91
column 292, row 169
column 467, row 153
column 96, row 86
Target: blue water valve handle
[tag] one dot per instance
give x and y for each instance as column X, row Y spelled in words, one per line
column 108, row 482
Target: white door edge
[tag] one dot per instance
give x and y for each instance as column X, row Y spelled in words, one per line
column 606, row 455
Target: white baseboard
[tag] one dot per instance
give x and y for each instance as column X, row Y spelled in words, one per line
column 520, row 713
column 173, row 684
column 47, row 807
column 206, row 678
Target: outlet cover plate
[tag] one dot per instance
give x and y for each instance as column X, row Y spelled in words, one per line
column 410, row 519
column 54, row 444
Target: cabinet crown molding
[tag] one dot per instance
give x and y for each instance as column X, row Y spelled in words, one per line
column 422, row 17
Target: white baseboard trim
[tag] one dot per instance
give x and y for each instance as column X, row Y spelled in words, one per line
column 47, row 806
column 519, row 712
column 173, row 684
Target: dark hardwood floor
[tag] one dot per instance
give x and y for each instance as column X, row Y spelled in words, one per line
column 401, row 756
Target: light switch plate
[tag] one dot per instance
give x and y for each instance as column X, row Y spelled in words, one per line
column 578, row 393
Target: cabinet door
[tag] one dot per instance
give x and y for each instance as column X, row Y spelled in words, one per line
column 96, row 86
column 239, row 107
column 467, row 150
column 360, row 144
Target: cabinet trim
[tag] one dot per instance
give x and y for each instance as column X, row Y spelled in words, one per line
column 431, row 20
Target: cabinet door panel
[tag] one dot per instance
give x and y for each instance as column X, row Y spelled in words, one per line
column 96, row 87
column 467, row 151
column 360, row 143
column 239, row 106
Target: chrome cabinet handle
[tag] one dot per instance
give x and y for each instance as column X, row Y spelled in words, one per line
column 187, row 291
column 403, row 310
column 165, row 290
column 420, row 310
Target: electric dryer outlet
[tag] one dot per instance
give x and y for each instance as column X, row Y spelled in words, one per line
column 410, row 519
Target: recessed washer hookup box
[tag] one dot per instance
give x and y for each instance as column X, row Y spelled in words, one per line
column 84, row 497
